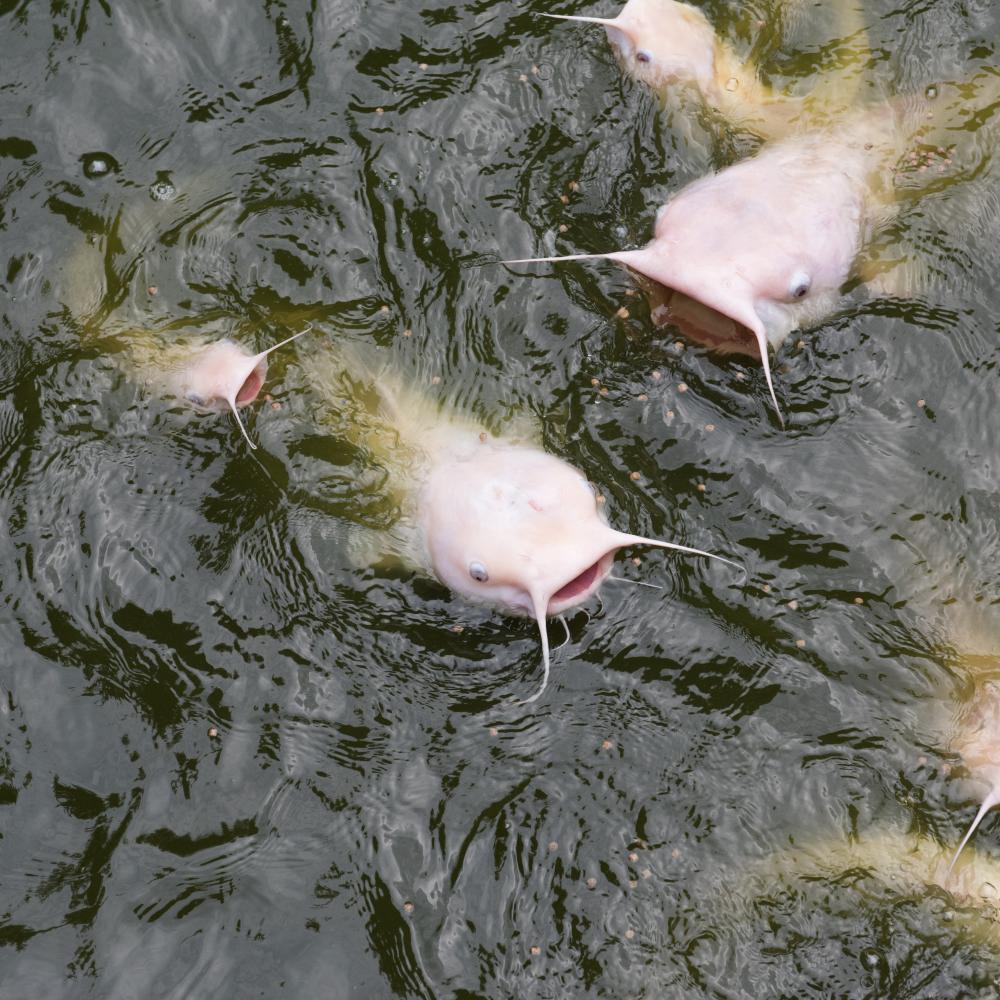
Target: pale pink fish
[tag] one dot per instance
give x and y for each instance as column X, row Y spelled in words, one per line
column 219, row 376
column 496, row 519
column 769, row 241
column 668, row 45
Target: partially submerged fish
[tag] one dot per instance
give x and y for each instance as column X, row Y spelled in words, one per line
column 210, row 375
column 768, row 242
column 496, row 519
column 666, row 45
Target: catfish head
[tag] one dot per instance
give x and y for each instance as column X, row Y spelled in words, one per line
column 222, row 376
column 514, row 526
column 662, row 42
column 769, row 241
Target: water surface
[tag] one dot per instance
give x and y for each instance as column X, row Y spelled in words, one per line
column 239, row 761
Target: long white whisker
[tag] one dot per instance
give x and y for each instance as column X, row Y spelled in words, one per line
column 287, row 340
column 540, row 606
column 236, row 413
column 638, row 583
column 991, row 800
column 566, row 641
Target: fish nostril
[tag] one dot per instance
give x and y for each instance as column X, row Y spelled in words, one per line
column 478, row 572
column 643, row 56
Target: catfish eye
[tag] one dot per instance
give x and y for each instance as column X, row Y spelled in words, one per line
column 478, row 572
column 799, row 287
column 193, row 397
column 644, row 56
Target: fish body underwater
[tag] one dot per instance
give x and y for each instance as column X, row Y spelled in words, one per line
column 497, row 519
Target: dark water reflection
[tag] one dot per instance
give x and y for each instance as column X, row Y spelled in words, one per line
column 239, row 761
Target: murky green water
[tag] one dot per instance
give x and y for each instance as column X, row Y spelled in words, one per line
column 237, row 764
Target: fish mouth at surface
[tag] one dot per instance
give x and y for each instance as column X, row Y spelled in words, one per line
column 700, row 322
column 252, row 385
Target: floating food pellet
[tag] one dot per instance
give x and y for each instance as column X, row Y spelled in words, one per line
column 423, row 66
column 458, row 628
column 921, row 403
column 799, row 344
column 523, row 78
column 564, row 228
column 152, row 289
column 595, row 381
column 632, row 883
column 682, row 387
column 709, row 428
column 600, row 498
column 268, row 397
column 408, row 906
column 436, row 380
column 573, row 186
column 701, row 487
column 635, row 476
column 380, row 111
column 276, row 405
column 494, row 731
column 670, row 414
column 679, row 345
column 535, row 950
column 859, row 600
column 622, row 313
column 793, row 605
column 564, row 199
column 636, row 561
column 675, row 853
column 646, row 873
column 213, row 733
column 604, row 390
column 632, row 856
column 766, row 588
column 553, row 845
column 629, row 934
column 740, row 376
column 801, row 643
column 642, row 397
column 591, row 883
column 407, row 333
column 656, row 376
column 534, row 70
column 607, row 745
column 383, row 309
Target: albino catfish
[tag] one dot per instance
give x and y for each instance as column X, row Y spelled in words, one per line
column 668, row 45
column 210, row 375
column 769, row 241
column 496, row 519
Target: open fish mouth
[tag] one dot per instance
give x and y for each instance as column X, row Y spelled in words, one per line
column 580, row 584
column 252, row 385
column 699, row 322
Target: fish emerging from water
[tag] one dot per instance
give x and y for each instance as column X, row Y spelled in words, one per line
column 670, row 45
column 496, row 519
column 767, row 243
column 212, row 376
